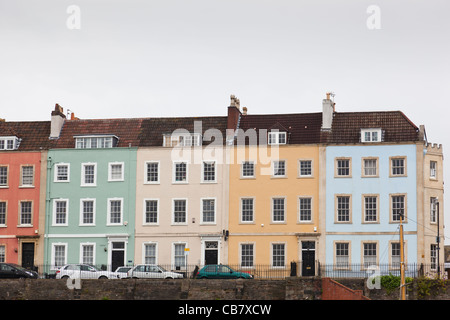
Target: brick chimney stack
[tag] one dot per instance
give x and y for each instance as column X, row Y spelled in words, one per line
column 234, row 113
column 327, row 113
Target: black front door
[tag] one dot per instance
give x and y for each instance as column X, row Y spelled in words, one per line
column 117, row 255
column 28, row 255
column 308, row 258
column 211, row 252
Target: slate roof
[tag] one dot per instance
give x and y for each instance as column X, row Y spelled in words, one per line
column 302, row 128
column 305, row 128
column 127, row 130
column 153, row 129
column 33, row 134
column 346, row 127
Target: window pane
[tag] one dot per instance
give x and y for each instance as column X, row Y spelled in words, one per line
column 343, row 167
column 179, row 255
column 370, row 167
column 278, row 255
column 115, row 211
column 180, row 171
column 247, row 255
column 151, row 211
column 150, row 253
column 398, row 207
column 305, row 168
column 27, row 175
column 209, row 171
column 61, row 212
column 179, row 213
column 60, row 255
column 2, row 213
column 343, row 209
column 247, row 210
column 152, row 172
column 88, row 212
column 89, row 174
column 279, row 168
column 88, row 254
column 3, row 176
column 25, row 212
column 305, row 209
column 278, row 209
column 342, row 255
column 209, row 210
column 370, row 209
column 398, row 167
column 116, row 172
column 370, row 254
column 247, row 169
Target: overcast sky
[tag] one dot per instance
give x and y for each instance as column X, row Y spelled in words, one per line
column 115, row 59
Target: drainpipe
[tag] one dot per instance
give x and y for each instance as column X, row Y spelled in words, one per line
column 47, row 216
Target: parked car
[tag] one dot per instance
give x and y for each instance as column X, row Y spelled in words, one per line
column 83, row 271
column 220, row 271
column 11, row 271
column 122, row 272
column 152, row 271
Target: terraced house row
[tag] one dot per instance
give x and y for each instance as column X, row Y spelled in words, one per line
column 242, row 189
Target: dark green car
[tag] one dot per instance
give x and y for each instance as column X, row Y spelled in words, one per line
column 220, row 271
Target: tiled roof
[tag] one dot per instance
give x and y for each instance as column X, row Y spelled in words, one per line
column 127, row 130
column 305, row 128
column 153, row 129
column 33, row 134
column 302, row 128
column 346, row 127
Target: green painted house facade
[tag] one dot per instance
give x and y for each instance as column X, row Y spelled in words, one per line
column 91, row 192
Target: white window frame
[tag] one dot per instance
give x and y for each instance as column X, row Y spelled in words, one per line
column 370, row 135
column 54, row 245
column 55, row 177
column 6, row 185
column 83, row 174
column 433, row 170
column 149, row 243
column 20, row 224
column 241, row 211
column 144, row 212
column 186, row 212
column 252, row 266
column 183, row 266
column 272, row 209
column 146, row 181
column 275, row 173
column 174, row 166
column 86, row 244
column 22, row 184
column 300, row 175
column 82, row 212
column 66, row 223
column 300, row 198
column 215, row 171
column 85, row 142
column 108, row 221
column 243, row 176
column 201, row 211
column 272, row 255
column 274, row 137
column 5, row 142
column 110, row 165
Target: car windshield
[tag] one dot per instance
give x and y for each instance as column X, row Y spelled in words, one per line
column 162, row 269
column 17, row 266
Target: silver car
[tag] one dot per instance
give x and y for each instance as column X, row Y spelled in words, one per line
column 83, row 271
column 152, row 271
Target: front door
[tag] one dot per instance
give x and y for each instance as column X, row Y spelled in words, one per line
column 117, row 255
column 308, row 258
column 28, row 255
column 211, row 252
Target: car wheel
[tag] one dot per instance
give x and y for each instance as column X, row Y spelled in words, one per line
column 169, row 278
column 103, row 277
column 65, row 277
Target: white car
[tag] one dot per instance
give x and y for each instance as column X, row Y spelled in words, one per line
column 122, row 272
column 152, row 271
column 83, row 271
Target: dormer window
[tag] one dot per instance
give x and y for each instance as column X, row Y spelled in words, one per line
column 277, row 137
column 9, row 143
column 182, row 140
column 96, row 142
column 371, row 135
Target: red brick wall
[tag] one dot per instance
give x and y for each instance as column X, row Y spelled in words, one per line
column 332, row 290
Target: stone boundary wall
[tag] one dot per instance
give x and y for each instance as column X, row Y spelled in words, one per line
column 313, row 288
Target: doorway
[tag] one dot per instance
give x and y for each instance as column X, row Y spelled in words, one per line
column 28, row 255
column 211, row 252
column 117, row 255
column 308, row 258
